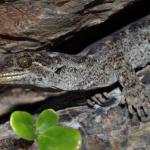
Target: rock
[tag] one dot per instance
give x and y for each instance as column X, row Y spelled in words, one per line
column 32, row 25
column 13, row 96
column 112, row 130
column 101, row 130
column 9, row 141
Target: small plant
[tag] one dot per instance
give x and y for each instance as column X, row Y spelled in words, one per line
column 45, row 130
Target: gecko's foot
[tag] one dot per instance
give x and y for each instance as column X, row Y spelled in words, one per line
column 100, row 99
column 138, row 101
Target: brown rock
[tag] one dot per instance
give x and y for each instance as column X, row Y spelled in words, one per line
column 29, row 25
column 101, row 130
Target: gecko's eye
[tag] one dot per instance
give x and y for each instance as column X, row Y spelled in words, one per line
column 24, row 61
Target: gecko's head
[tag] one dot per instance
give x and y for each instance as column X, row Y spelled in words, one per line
column 30, row 68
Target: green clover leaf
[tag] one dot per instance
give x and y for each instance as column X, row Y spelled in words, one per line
column 45, row 131
column 59, row 138
column 23, row 125
column 46, row 119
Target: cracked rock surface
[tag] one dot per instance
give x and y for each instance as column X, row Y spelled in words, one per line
column 101, row 130
column 32, row 25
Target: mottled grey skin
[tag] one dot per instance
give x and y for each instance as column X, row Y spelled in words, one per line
column 101, row 64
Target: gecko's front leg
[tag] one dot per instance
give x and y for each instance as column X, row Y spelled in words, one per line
column 134, row 93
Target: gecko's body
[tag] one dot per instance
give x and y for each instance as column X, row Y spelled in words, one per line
column 101, row 64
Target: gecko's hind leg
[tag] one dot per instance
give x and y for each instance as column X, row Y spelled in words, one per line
column 101, row 100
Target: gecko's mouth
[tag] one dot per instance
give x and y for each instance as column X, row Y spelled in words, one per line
column 11, row 76
column 22, row 78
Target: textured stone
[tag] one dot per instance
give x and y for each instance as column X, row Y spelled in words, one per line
column 101, row 130
column 13, row 96
column 30, row 25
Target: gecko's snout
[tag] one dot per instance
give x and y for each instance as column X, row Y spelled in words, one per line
column 11, row 68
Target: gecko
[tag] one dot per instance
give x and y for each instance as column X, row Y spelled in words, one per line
column 101, row 64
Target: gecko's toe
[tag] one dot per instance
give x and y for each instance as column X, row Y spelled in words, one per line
column 96, row 99
column 99, row 96
column 146, row 108
column 123, row 100
column 100, row 99
column 140, row 111
column 90, row 103
column 106, row 95
column 130, row 109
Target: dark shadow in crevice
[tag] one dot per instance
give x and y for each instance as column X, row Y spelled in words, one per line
column 15, row 38
column 66, row 100
column 6, row 1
